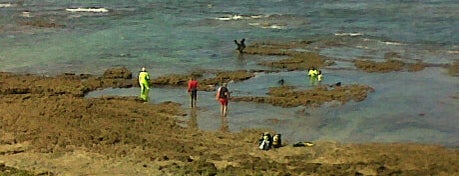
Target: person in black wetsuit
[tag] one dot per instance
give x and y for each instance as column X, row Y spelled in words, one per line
column 240, row 45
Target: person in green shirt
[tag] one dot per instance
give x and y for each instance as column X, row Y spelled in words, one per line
column 144, row 83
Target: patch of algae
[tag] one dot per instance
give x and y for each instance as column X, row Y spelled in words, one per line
column 287, row 96
column 296, row 60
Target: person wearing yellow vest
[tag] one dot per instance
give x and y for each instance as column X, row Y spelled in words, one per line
column 144, row 83
column 312, row 73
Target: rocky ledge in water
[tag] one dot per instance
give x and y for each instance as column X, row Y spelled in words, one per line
column 287, row 96
column 299, row 58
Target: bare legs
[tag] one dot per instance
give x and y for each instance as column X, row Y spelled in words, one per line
column 223, row 110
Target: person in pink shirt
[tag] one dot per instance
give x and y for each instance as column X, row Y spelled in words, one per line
column 223, row 96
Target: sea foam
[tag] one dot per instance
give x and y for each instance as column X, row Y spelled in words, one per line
column 349, row 34
column 5, row 5
column 94, row 10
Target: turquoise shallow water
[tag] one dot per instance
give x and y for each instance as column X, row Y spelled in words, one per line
column 178, row 37
column 409, row 112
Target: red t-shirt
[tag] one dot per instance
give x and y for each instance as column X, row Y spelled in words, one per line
column 192, row 84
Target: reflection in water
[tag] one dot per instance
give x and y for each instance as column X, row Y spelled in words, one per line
column 193, row 122
column 313, row 81
column 224, row 125
column 241, row 61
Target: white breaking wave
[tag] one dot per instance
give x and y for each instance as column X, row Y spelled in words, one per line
column 269, row 26
column 274, row 26
column 362, row 47
column 349, row 34
column 453, row 52
column 239, row 17
column 257, row 16
column 26, row 14
column 232, row 17
column 265, row 25
column 4, row 5
column 393, row 43
column 94, row 10
column 385, row 42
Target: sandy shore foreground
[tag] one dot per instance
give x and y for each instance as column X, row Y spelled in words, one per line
column 47, row 127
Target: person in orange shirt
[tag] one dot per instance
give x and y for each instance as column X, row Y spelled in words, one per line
column 193, row 91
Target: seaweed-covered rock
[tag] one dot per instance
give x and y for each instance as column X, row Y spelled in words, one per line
column 388, row 66
column 287, row 96
column 115, row 73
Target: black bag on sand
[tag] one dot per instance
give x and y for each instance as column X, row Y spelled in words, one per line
column 277, row 141
column 265, row 142
column 303, row 144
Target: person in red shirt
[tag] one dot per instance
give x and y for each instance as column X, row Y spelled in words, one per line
column 193, row 91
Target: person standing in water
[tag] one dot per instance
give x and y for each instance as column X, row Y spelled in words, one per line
column 313, row 73
column 319, row 75
column 240, row 46
column 193, row 91
column 144, row 83
column 222, row 96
